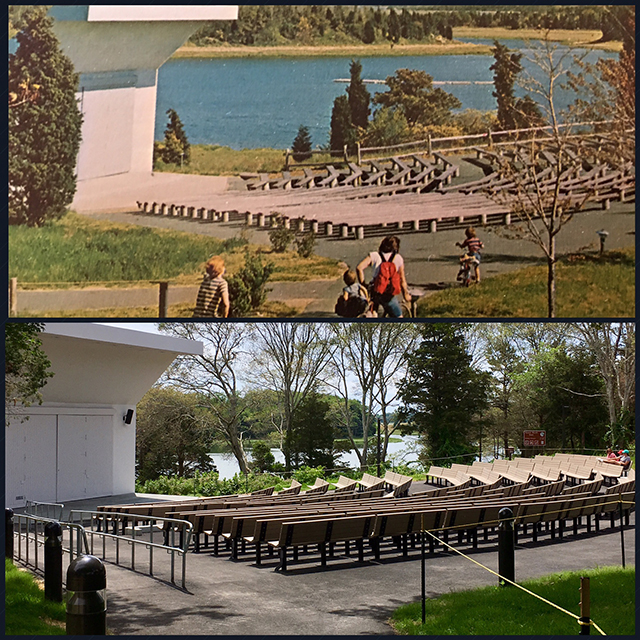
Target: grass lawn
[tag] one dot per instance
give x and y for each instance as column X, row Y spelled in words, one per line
column 80, row 251
column 586, row 287
column 27, row 613
column 510, row 611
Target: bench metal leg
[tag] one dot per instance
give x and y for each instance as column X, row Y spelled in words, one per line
column 323, row 554
column 282, row 565
column 360, row 545
column 258, row 553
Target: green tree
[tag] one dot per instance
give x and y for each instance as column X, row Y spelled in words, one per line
column 302, row 145
column 413, row 92
column 505, row 69
column 177, row 149
column 26, row 365
column 388, row 127
column 172, row 435
column 342, row 131
column 443, row 394
column 393, row 27
column 359, row 97
column 369, row 33
column 313, row 433
column 44, row 129
column 262, row 459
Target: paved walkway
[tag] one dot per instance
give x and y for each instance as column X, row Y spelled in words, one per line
column 228, row 597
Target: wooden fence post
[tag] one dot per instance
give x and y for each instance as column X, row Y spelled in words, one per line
column 286, row 160
column 162, row 300
column 359, row 153
column 13, row 297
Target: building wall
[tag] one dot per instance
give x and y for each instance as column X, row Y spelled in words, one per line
column 68, row 453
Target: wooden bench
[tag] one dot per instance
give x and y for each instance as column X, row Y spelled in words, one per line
column 371, row 482
column 398, row 483
column 321, row 532
column 330, row 180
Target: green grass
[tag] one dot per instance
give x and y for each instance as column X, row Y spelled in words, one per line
column 586, row 287
column 213, row 160
column 80, row 250
column 27, row 613
column 510, row 611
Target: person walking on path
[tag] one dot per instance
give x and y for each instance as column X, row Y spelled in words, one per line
column 389, row 280
column 472, row 246
column 213, row 295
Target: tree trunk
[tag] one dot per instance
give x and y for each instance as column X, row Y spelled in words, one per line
column 238, row 451
column 551, row 278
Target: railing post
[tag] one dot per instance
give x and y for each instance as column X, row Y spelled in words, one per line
column 162, row 300
column 359, row 151
column 506, row 547
column 429, row 144
column 8, row 534
column 53, row 562
column 286, row 159
column 345, row 153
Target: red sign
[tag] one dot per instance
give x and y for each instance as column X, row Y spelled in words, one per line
column 535, row 438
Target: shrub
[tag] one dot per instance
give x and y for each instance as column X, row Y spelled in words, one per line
column 305, row 244
column 308, row 475
column 247, row 289
column 280, row 237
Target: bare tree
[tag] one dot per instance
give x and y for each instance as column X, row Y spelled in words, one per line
column 290, row 358
column 367, row 362
column 214, row 376
column 613, row 345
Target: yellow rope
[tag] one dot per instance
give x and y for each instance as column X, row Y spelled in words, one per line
column 535, row 595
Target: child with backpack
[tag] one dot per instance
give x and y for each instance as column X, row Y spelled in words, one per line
column 354, row 300
column 389, row 280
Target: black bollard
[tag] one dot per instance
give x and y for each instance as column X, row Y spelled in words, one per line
column 53, row 562
column 86, row 597
column 506, row 547
column 8, row 534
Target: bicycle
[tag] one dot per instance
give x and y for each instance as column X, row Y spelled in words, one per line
column 466, row 274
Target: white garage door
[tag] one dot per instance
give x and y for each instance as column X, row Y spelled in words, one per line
column 30, row 455
column 85, row 457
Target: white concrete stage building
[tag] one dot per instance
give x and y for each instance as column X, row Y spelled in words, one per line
column 117, row 50
column 80, row 443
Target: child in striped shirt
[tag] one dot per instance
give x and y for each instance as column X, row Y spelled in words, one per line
column 213, row 296
column 472, row 245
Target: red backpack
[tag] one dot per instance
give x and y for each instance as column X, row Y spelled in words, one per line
column 387, row 282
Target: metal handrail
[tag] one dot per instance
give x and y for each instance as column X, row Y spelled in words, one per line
column 24, row 525
column 33, row 507
column 97, row 523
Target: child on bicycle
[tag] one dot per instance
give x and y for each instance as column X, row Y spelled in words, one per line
column 472, row 245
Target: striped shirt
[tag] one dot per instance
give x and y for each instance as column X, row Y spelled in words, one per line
column 473, row 244
column 209, row 302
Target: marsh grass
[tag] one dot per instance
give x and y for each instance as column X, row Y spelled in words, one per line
column 27, row 613
column 586, row 287
column 510, row 611
column 84, row 252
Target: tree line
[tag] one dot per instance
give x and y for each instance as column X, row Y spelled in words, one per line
column 268, row 25
column 316, row 390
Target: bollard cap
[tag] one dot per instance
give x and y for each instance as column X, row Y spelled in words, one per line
column 86, row 573
column 505, row 513
column 52, row 529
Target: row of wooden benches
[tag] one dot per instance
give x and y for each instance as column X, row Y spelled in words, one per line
column 414, row 172
column 295, row 528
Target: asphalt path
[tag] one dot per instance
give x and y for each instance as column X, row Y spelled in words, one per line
column 227, row 597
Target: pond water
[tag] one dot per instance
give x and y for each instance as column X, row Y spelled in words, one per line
column 255, row 103
column 401, row 452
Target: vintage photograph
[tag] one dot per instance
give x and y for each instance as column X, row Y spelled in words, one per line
column 322, row 162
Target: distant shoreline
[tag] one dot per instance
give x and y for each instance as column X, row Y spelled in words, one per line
column 563, row 36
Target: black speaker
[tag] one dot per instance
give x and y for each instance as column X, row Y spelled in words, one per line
column 128, row 418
